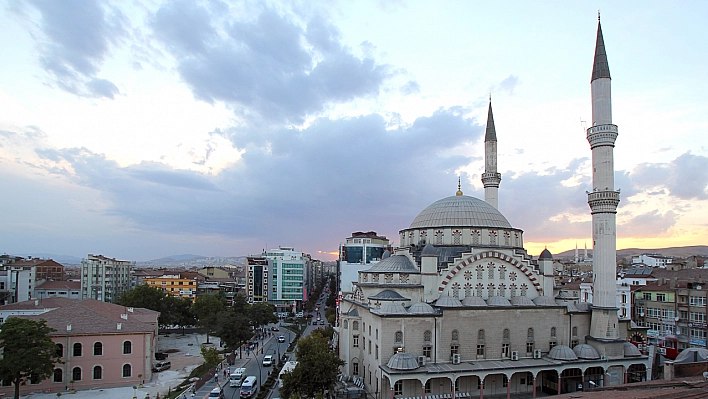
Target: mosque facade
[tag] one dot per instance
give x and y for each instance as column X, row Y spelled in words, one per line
column 460, row 309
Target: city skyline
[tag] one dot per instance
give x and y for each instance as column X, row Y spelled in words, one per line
column 222, row 129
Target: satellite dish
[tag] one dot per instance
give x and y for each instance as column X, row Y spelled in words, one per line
column 641, row 314
column 698, row 287
column 676, row 318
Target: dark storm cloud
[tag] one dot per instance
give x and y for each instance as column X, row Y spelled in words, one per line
column 332, row 178
column 269, row 69
column 686, row 177
column 79, row 35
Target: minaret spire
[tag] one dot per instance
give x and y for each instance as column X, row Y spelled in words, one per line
column 490, row 177
column 603, row 200
column 459, row 187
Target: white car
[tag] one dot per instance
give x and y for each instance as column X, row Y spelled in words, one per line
column 281, row 338
column 268, row 360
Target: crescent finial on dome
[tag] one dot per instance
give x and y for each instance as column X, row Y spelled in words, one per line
column 459, row 191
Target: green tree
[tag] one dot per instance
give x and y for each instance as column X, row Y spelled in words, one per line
column 28, row 351
column 233, row 328
column 316, row 371
column 183, row 314
column 211, row 355
column 153, row 298
column 206, row 309
column 261, row 314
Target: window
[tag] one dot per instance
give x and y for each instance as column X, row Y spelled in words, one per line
column 529, row 347
column 77, row 350
column 97, row 373
column 97, row 349
column 653, row 312
column 660, row 297
column 346, row 324
column 698, row 333
column 427, row 387
column 355, row 368
column 355, row 341
column 454, row 349
column 355, row 325
column 480, row 350
column 698, row 317
column 399, row 336
column 646, row 296
column 127, row 370
column 60, row 350
column 34, row 378
column 575, row 331
column 398, row 388
column 58, row 375
column 697, row 301
column 369, row 346
column 363, row 342
column 377, row 333
column 127, row 348
column 455, row 335
column 505, row 383
column 427, row 351
column 553, row 332
column 505, row 350
column 76, row 374
column 668, row 313
column 427, row 335
column 377, row 351
column 551, row 345
column 369, row 330
column 529, row 334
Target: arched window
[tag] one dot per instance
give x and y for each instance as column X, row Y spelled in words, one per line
column 58, row 375
column 127, row 370
column 97, row 373
column 455, row 335
column 427, row 335
column 127, row 347
column 60, row 350
column 575, row 331
column 77, row 349
column 553, row 332
column 355, row 325
column 346, row 324
column 76, row 374
column 506, row 335
column 399, row 336
column 480, row 335
column 529, row 334
column 97, row 349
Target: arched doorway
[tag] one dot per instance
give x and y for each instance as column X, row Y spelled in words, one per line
column 571, row 380
column 594, row 377
column 637, row 373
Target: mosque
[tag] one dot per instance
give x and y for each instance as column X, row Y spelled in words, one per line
column 461, row 310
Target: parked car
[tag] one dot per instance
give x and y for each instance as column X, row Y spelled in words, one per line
column 268, row 360
column 161, row 366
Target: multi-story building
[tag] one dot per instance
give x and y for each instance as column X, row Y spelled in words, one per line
column 66, row 289
column 17, row 284
column 102, row 345
column 175, row 284
column 105, row 279
column 287, row 287
column 359, row 252
column 652, row 260
column 257, row 279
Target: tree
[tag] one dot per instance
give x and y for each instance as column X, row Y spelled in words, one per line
column 211, row 355
column 233, row 328
column 183, row 315
column 153, row 298
column 28, row 351
column 206, row 308
column 261, row 314
column 316, row 371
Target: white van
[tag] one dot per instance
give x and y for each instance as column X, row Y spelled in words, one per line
column 237, row 377
column 216, row 393
column 249, row 387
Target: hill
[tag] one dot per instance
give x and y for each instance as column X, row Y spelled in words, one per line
column 676, row 252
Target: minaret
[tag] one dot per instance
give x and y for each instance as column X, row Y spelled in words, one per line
column 490, row 177
column 603, row 199
column 585, row 256
column 577, row 258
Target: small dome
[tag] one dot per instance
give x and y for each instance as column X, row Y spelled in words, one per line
column 544, row 300
column 473, row 301
column 522, row 301
column 394, row 264
column 421, row 308
column 386, row 254
column 631, row 351
column 585, row 351
column 392, row 309
column 498, row 301
column 429, row 250
column 562, row 352
column 545, row 255
column 448, row 302
column 689, row 355
column 388, row 295
column 402, row 361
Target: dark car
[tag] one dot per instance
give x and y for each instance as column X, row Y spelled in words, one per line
column 275, row 328
column 160, row 366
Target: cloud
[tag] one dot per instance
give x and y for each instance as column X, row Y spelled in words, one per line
column 648, row 224
column 78, row 36
column 686, row 177
column 270, row 69
column 506, row 86
column 412, row 87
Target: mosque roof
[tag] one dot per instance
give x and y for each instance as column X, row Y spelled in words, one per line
column 448, row 302
column 402, row 361
column 585, row 351
column 421, row 308
column 546, row 254
column 394, row 264
column 522, row 301
column 630, row 351
column 429, row 249
column 473, row 301
column 544, row 300
column 600, row 69
column 391, row 309
column 562, row 352
column 388, row 295
column 460, row 210
column 498, row 301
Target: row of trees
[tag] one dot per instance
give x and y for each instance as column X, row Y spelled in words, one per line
column 316, row 371
column 233, row 324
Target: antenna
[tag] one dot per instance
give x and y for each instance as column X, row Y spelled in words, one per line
column 583, row 124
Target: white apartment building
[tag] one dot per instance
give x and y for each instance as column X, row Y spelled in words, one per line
column 652, row 260
column 105, row 279
column 360, row 252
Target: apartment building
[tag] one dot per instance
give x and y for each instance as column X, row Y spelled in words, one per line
column 183, row 285
column 105, row 279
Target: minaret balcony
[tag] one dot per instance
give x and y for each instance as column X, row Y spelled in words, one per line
column 604, row 201
column 491, row 179
column 602, row 135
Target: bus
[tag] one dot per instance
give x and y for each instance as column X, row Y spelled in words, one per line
column 249, row 387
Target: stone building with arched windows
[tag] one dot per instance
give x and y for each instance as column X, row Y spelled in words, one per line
column 461, row 310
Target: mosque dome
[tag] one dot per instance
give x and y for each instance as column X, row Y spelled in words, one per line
column 392, row 309
column 421, row 308
column 473, row 301
column 522, row 301
column 460, row 210
column 562, row 352
column 498, row 301
column 448, row 302
column 630, row 350
column 544, row 300
column 546, row 254
column 402, row 361
column 585, row 351
column 394, row 264
column 388, row 295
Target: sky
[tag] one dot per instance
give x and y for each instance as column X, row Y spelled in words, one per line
column 142, row 129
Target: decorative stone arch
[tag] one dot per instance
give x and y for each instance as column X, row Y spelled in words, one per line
column 490, row 254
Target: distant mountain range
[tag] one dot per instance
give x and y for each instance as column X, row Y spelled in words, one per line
column 677, row 252
column 63, row 259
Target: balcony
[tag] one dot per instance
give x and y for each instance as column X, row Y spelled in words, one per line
column 602, row 135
